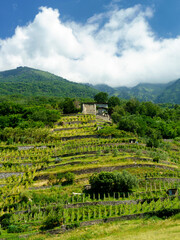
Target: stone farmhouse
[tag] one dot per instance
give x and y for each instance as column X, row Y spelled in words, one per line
column 95, row 108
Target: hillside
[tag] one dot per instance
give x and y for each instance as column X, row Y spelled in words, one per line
column 171, row 94
column 31, row 82
column 159, row 93
column 44, row 180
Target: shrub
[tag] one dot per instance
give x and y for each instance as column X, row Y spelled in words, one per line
column 156, row 159
column 17, row 229
column 153, row 142
column 69, row 178
column 5, row 220
column 73, row 226
column 115, row 152
column 0, row 230
column 112, row 182
column 102, row 182
column 124, row 182
column 58, row 160
column 52, row 221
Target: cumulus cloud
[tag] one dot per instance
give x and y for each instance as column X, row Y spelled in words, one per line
column 117, row 48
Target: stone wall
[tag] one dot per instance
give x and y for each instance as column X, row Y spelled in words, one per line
column 89, row 108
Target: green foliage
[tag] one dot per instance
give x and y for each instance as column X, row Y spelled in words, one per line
column 159, row 93
column 53, row 220
column 132, row 106
column 68, row 106
column 101, row 97
column 28, row 135
column 148, row 119
column 116, row 117
column 112, row 131
column 102, row 182
column 105, row 182
column 17, row 228
column 153, row 142
column 156, row 159
column 124, row 182
column 5, row 220
column 45, row 115
column 62, row 178
column 19, row 115
column 113, row 101
column 115, row 152
column 73, row 226
column 31, row 82
column 170, row 94
column 69, row 178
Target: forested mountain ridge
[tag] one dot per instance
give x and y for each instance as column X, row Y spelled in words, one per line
column 171, row 94
column 158, row 93
column 32, row 82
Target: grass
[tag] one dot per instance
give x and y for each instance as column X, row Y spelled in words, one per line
column 104, row 156
column 152, row 229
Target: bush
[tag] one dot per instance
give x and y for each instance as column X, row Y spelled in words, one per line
column 52, row 221
column 73, row 226
column 124, row 182
column 5, row 220
column 69, row 178
column 17, row 229
column 112, row 182
column 153, row 142
column 102, row 182
column 115, row 152
column 156, row 159
column 0, row 230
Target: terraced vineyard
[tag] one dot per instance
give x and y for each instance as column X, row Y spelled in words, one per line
column 50, row 179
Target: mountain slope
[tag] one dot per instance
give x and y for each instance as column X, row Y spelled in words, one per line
column 146, row 92
column 105, row 88
column 171, row 94
column 32, row 82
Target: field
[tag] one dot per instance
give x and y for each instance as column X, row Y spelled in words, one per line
column 49, row 181
column 152, row 229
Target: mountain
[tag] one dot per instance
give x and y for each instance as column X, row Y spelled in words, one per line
column 146, row 91
column 105, row 88
column 159, row 93
column 32, row 82
column 171, row 94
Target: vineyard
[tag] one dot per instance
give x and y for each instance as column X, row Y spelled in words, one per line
column 44, row 183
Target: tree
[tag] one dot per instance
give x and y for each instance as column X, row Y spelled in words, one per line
column 53, row 220
column 132, row 106
column 68, row 106
column 116, row 117
column 124, row 182
column 101, row 97
column 45, row 115
column 153, row 142
column 102, row 182
column 112, row 182
column 113, row 101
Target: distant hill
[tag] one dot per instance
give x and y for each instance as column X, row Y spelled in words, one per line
column 32, row 82
column 171, row 94
column 158, row 93
column 105, row 88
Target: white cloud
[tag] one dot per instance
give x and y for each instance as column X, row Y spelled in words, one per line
column 116, row 47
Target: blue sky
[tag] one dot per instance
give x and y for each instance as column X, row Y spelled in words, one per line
column 166, row 20
column 117, row 42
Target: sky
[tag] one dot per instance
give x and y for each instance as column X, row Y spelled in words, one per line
column 114, row 42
